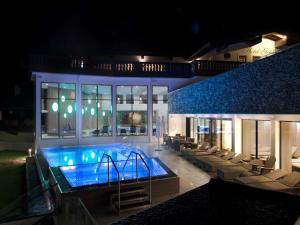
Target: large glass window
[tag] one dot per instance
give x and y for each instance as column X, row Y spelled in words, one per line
column 215, row 132
column 290, row 146
column 132, row 114
column 256, row 139
column 203, row 131
column 58, row 110
column 160, row 108
column 96, row 110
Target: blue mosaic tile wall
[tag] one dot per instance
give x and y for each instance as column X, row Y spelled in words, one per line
column 267, row 86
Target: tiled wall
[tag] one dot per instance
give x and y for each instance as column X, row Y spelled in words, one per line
column 267, row 86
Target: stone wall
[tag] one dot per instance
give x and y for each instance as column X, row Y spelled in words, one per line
column 267, row 86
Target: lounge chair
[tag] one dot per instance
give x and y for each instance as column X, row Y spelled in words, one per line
column 230, row 172
column 229, row 160
column 289, row 183
column 268, row 177
column 192, row 154
column 261, row 169
column 104, row 130
column 220, row 156
column 208, row 163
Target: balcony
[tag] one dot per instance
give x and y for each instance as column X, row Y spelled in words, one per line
column 80, row 65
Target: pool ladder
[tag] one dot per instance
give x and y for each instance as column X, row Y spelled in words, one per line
column 109, row 158
column 137, row 172
column 108, row 180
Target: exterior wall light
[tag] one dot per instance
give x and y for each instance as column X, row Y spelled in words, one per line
column 29, row 152
column 63, row 98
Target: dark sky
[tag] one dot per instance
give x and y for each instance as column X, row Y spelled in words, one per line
column 81, row 28
column 84, row 28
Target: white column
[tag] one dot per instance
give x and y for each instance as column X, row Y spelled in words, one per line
column 114, row 111
column 78, row 111
column 276, row 128
column 150, row 112
column 37, row 112
column 237, row 135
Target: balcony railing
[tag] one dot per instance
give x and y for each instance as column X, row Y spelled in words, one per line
column 95, row 66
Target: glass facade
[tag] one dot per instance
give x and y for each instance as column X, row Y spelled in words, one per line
column 203, row 131
column 132, row 110
column 256, row 138
column 96, row 110
column 216, row 132
column 160, row 108
column 290, row 145
column 58, row 110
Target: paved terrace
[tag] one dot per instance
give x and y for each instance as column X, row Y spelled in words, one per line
column 190, row 176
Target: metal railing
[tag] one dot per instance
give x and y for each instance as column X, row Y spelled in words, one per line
column 108, row 180
column 136, row 167
column 88, row 218
column 96, row 65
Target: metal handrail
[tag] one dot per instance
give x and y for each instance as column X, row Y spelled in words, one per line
column 87, row 213
column 108, row 181
column 136, row 167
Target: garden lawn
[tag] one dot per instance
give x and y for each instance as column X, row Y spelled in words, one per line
column 12, row 176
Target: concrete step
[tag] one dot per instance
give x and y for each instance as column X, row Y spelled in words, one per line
column 133, row 206
column 128, row 191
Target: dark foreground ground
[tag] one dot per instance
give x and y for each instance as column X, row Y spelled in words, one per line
column 220, row 202
column 12, row 176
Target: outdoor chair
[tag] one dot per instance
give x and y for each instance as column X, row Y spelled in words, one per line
column 104, row 130
column 230, row 172
column 123, row 131
column 132, row 129
column 228, row 160
column 268, row 177
column 209, row 163
column 142, row 130
column 289, row 183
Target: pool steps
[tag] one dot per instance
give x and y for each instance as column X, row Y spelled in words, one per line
column 131, row 199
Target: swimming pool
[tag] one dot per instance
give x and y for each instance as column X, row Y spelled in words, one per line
column 81, row 165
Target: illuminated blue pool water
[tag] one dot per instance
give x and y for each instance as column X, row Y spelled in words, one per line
column 81, row 165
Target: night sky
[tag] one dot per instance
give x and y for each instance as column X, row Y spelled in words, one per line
column 85, row 29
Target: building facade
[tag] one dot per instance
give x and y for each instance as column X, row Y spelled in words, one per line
column 253, row 110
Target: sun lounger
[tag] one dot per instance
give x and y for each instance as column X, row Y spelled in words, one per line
column 201, row 161
column 190, row 154
column 269, row 177
column 210, row 162
column 229, row 160
column 289, row 183
column 230, row 172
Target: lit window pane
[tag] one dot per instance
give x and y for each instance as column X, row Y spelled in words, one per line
column 67, row 91
column 89, row 92
column 58, row 116
column 105, row 117
column 96, row 111
column 104, row 92
column 89, row 118
column 49, row 90
column 67, row 118
column 132, row 114
column 49, row 118
column 160, row 109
